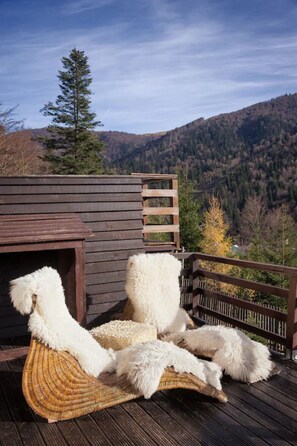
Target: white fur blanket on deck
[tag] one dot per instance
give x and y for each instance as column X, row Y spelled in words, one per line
column 238, row 356
column 41, row 295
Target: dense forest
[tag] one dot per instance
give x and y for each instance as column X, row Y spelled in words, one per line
column 249, row 152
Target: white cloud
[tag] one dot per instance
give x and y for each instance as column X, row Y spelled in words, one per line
column 80, row 6
column 145, row 82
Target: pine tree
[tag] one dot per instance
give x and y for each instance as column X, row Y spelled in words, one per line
column 71, row 146
column 190, row 218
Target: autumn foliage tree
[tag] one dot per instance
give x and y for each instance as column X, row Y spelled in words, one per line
column 19, row 155
column 271, row 237
column 215, row 241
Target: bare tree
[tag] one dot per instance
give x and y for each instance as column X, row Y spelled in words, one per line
column 252, row 220
column 19, row 155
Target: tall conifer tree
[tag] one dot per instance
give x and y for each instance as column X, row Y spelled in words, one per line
column 189, row 213
column 71, row 146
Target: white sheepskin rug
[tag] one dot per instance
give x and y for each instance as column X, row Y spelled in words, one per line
column 152, row 285
column 238, row 356
column 41, row 294
column 143, row 364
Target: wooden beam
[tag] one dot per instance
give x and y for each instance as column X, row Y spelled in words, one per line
column 175, row 218
column 278, row 315
column 243, row 325
column 160, row 211
column 159, row 193
column 160, row 228
column 251, row 285
column 247, row 264
column 292, row 315
column 154, row 176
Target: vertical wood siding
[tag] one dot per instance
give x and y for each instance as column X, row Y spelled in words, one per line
column 112, row 208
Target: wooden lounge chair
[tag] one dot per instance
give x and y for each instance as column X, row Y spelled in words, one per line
column 56, row 387
column 61, row 382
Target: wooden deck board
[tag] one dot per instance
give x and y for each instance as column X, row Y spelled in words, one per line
column 164, row 417
column 123, row 418
column 260, row 414
column 207, row 417
column 268, row 427
column 271, row 391
column 114, row 432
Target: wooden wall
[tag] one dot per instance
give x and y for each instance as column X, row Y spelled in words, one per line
column 110, row 205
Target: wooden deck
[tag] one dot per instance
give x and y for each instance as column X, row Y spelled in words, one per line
column 260, row 414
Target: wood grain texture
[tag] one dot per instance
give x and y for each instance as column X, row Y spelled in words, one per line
column 110, row 206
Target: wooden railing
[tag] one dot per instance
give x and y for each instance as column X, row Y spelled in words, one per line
column 197, row 295
column 157, row 189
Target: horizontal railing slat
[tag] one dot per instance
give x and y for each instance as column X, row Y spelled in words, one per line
column 279, row 315
column 160, row 228
column 243, row 283
column 150, row 193
column 160, row 210
column 244, row 326
column 246, row 264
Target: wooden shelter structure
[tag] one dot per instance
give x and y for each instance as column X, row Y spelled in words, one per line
column 109, row 207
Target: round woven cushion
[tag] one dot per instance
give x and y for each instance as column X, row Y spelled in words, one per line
column 121, row 334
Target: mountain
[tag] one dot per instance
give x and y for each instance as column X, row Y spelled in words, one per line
column 119, row 143
column 234, row 155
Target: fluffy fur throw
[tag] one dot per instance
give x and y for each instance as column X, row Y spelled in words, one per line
column 152, row 286
column 144, row 364
column 41, row 294
column 240, row 357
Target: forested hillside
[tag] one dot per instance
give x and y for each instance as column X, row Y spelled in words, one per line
column 235, row 155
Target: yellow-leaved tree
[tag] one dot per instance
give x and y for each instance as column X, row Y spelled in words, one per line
column 215, row 241
column 214, row 231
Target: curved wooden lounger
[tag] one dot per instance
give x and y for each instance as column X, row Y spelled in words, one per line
column 56, row 387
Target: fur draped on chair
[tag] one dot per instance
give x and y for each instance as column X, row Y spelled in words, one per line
column 145, row 363
column 239, row 356
column 152, row 286
column 41, row 294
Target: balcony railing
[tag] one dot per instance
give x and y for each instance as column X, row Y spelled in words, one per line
column 210, row 304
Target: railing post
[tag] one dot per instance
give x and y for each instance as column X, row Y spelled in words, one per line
column 175, row 218
column 195, row 282
column 291, row 344
column 145, row 204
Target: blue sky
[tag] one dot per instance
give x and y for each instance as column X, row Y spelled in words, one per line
column 156, row 64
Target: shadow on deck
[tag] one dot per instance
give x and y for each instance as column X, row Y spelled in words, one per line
column 260, row 414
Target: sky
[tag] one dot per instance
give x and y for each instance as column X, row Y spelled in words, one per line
column 155, row 64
